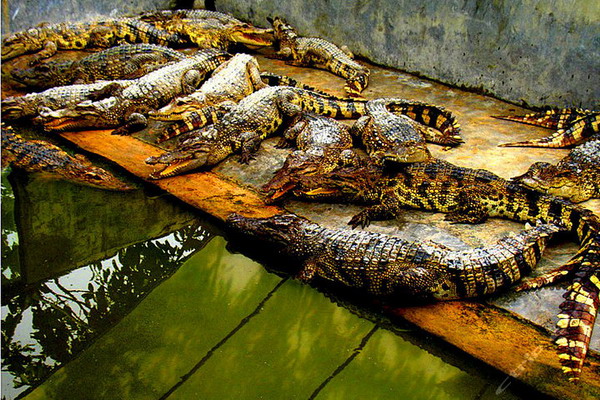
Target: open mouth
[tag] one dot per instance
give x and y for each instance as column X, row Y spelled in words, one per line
column 172, row 169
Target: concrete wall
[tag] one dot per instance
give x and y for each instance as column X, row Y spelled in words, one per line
column 544, row 52
column 23, row 14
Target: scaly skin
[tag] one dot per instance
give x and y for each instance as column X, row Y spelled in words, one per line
column 230, row 82
column 125, row 107
column 44, row 157
column 316, row 52
column 161, row 16
column 213, row 33
column 470, row 196
column 128, row 61
column 210, row 115
column 576, row 177
column 249, row 122
column 46, row 39
column 30, row 105
column 398, row 138
column 392, row 267
column 321, row 142
column 574, row 125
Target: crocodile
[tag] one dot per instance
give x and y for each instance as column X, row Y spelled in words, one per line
column 30, row 105
column 221, row 33
column 230, row 82
column 40, row 156
column 321, row 142
column 389, row 137
column 46, row 39
column 317, row 52
column 124, row 106
column 393, row 268
column 128, row 61
column 470, row 196
column 160, row 16
column 576, row 177
column 200, row 118
column 249, row 122
column 572, row 125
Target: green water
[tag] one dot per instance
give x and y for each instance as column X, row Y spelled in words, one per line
column 134, row 296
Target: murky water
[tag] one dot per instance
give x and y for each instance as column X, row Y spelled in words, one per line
column 111, row 295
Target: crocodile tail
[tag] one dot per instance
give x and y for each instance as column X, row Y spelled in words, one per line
column 191, row 121
column 578, row 313
column 272, row 79
column 432, row 116
column 551, row 119
column 331, row 106
column 581, row 129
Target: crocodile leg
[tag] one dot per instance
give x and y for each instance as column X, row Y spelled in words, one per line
column 135, row 122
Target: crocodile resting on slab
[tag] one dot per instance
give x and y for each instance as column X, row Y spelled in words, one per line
column 215, row 33
column 392, row 267
column 128, row 61
column 576, row 177
column 398, row 138
column 230, row 82
column 46, row 39
column 32, row 104
column 572, row 125
column 44, row 157
column 470, row 196
column 317, row 52
column 243, row 128
column 124, row 106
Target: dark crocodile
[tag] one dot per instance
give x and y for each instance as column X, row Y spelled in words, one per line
column 576, row 177
column 470, row 196
column 39, row 156
column 30, row 105
column 317, row 52
column 125, row 106
column 321, row 142
column 391, row 267
column 128, row 61
column 572, row 125
column 46, row 39
column 398, row 138
column 249, row 122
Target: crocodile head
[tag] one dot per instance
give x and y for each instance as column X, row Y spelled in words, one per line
column 18, row 107
column 90, row 175
column 348, row 183
column 43, row 76
column 189, row 155
column 20, row 43
column 279, row 229
column 548, row 178
column 250, row 36
column 85, row 115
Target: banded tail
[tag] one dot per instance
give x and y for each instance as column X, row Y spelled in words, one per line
column 551, row 119
column 283, row 80
column 578, row 313
column 433, row 116
column 331, row 106
column 574, row 132
column 193, row 120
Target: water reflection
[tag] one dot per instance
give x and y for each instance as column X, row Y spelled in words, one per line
column 49, row 314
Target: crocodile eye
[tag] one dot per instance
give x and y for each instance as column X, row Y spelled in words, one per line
column 94, row 176
column 445, row 286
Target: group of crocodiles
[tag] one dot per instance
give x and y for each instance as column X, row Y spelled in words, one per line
column 222, row 104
